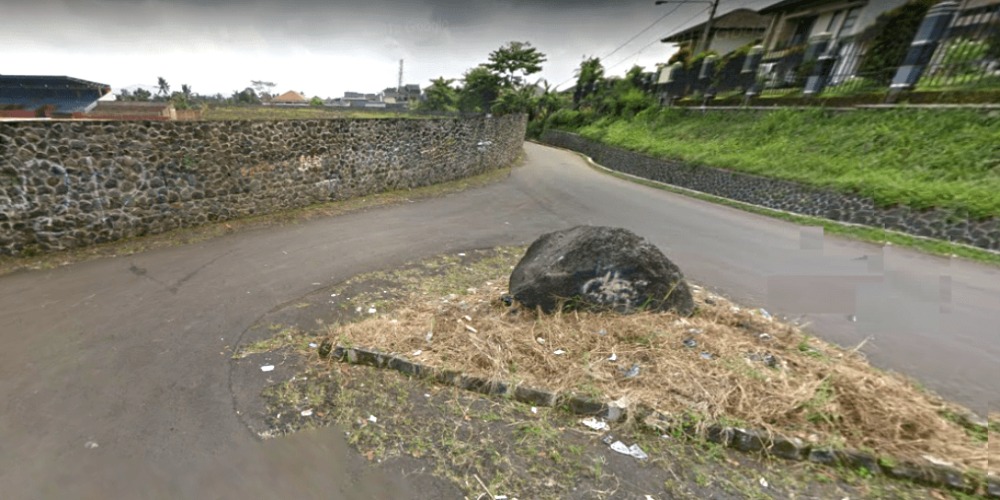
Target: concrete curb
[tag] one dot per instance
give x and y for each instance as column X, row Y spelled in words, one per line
column 745, row 440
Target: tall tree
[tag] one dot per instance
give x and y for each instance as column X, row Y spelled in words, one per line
column 262, row 87
column 186, row 90
column 440, row 96
column 164, row 86
column 480, row 89
column 124, row 95
column 588, row 76
column 141, row 95
column 515, row 61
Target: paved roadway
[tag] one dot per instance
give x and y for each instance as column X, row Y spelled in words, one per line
column 126, row 352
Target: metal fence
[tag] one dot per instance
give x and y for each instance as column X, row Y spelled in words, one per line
column 969, row 56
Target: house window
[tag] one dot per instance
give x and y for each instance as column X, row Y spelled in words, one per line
column 832, row 25
column 849, row 21
column 801, row 31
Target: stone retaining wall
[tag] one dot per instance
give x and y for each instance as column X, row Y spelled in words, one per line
column 785, row 195
column 69, row 184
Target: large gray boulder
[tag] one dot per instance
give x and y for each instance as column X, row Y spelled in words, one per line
column 599, row 268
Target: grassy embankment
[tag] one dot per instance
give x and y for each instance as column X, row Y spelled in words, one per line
column 918, row 158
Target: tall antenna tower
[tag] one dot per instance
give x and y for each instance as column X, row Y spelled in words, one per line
column 400, row 87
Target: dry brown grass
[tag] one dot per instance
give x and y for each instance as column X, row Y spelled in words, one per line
column 816, row 391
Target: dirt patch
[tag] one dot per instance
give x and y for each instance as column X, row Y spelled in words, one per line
column 482, row 445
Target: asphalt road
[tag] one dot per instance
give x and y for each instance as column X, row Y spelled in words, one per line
column 128, row 352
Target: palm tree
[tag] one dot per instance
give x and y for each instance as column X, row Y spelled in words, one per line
column 186, row 90
column 164, row 86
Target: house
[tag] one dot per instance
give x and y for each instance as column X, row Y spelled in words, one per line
column 794, row 22
column 730, row 31
column 290, row 98
column 132, row 110
column 51, row 96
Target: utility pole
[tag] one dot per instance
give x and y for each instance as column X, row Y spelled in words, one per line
column 703, row 42
column 399, row 89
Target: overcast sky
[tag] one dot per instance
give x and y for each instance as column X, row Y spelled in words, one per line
column 325, row 47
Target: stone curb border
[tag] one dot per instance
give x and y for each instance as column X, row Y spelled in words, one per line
column 745, row 440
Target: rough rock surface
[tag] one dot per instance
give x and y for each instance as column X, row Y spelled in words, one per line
column 599, row 268
column 72, row 184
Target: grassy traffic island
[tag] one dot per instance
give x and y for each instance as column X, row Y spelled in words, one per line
column 676, row 381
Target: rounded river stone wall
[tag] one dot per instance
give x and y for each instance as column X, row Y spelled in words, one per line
column 788, row 196
column 67, row 184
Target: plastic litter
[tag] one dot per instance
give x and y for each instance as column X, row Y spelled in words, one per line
column 467, row 318
column 371, row 310
column 613, row 357
column 373, row 419
column 313, row 345
column 267, row 368
column 764, row 336
column 620, row 448
column 690, row 343
column 507, row 300
column 608, row 439
column 695, row 331
column 461, row 255
column 429, row 336
column 558, row 352
column 763, row 482
column 632, row 372
column 471, row 329
column 540, row 340
column 765, row 314
column 306, row 413
column 90, row 445
column 534, row 410
column 706, row 355
column 602, row 332
column 418, row 352
column 595, row 424
column 637, row 452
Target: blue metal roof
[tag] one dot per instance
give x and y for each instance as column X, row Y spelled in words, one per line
column 65, row 94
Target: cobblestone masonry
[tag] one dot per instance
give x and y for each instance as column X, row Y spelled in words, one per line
column 785, row 195
column 69, row 184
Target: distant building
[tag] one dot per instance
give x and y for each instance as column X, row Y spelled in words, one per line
column 290, row 98
column 49, row 96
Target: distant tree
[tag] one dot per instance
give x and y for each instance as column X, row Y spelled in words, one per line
column 141, row 95
column 480, row 87
column 263, row 88
column 440, row 96
column 164, row 86
column 124, row 95
column 515, row 100
column 588, row 76
column 316, row 101
column 245, row 96
column 515, row 61
column 186, row 90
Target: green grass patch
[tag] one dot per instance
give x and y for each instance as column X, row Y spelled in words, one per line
column 921, row 158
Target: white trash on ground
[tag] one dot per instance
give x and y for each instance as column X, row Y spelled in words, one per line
column 595, row 424
column 267, row 368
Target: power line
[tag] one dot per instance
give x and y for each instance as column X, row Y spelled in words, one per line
column 688, row 20
column 692, row 18
column 637, row 35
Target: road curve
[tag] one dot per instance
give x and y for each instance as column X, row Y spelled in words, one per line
column 129, row 352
